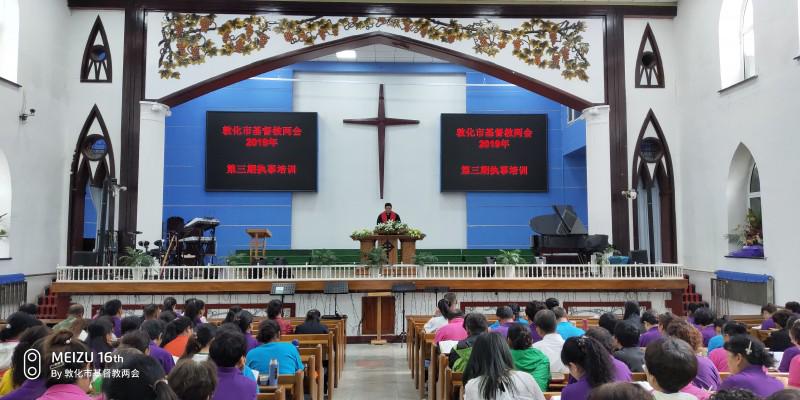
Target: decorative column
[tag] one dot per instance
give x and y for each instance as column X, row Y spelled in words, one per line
column 149, row 214
column 598, row 165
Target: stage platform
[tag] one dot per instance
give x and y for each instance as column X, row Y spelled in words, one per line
column 588, row 290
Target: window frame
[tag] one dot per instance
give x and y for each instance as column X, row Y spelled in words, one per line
column 747, row 30
column 753, row 195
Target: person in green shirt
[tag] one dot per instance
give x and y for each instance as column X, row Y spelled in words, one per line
column 75, row 312
column 526, row 358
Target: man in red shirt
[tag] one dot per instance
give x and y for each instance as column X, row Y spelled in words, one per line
column 388, row 215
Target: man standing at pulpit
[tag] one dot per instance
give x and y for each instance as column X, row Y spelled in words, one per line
column 388, row 215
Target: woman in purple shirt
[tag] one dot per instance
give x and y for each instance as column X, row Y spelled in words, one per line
column 747, row 359
column 530, row 311
column 704, row 320
column 244, row 320
column 151, row 384
column 622, row 373
column 113, row 309
column 651, row 332
column 60, row 385
column 766, row 312
column 589, row 363
column 791, row 352
column 707, row 374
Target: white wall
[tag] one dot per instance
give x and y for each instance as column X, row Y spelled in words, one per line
column 348, row 188
column 39, row 151
column 591, row 90
column 762, row 115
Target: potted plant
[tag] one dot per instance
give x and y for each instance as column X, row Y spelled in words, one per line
column 3, row 231
column 361, row 234
column 423, row 259
column 747, row 238
column 377, row 258
column 323, row 257
column 510, row 257
column 137, row 258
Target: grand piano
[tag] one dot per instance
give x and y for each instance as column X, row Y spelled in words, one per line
column 563, row 235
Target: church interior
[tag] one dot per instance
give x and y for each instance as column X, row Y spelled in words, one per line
column 480, row 199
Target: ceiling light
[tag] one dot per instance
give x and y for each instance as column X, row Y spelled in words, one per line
column 346, row 55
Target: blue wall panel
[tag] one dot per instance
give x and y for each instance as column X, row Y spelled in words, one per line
column 494, row 220
column 500, row 220
column 184, row 169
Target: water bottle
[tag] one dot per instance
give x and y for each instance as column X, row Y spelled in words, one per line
column 273, row 373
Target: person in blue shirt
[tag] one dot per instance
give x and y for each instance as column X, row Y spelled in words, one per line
column 269, row 334
column 565, row 328
column 517, row 318
column 717, row 341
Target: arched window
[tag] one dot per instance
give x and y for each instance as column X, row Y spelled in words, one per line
column 744, row 205
column 9, row 39
column 737, row 55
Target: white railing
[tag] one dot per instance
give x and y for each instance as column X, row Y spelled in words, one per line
column 362, row 272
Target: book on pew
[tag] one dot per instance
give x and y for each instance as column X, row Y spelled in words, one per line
column 445, row 346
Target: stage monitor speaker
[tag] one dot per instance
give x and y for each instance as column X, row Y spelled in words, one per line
column 336, row 287
column 404, row 288
column 639, row 257
column 282, row 289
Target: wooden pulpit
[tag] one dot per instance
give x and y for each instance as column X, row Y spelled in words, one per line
column 406, row 244
column 378, row 314
column 258, row 243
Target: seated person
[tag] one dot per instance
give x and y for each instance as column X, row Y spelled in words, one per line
column 551, row 344
column 61, row 384
column 565, row 328
column 505, row 318
column 650, row 326
column 113, row 310
column 228, row 353
column 717, row 341
column 15, row 377
column 793, row 306
column 15, row 325
column 130, row 323
column 438, row 320
column 155, row 329
column 275, row 313
column 589, row 363
column 633, row 314
column 75, row 312
column 199, row 345
column 747, row 360
column 517, row 318
column 790, row 353
column 627, row 337
column 707, row 374
column 735, row 394
column 530, row 311
column 704, row 319
column 608, row 321
column 620, row 391
column 779, row 340
column 719, row 356
column 150, row 385
column 286, row 353
column 475, row 324
column 311, row 324
column 490, row 373
column 671, row 366
column 192, row 379
column 454, row 330
column 150, row 312
column 767, row 310
column 785, row 394
column 526, row 358
column 621, row 371
column 176, row 335
column 551, row 303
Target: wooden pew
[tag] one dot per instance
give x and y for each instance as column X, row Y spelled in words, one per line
column 316, row 386
column 443, row 362
column 271, row 393
column 292, row 386
column 639, row 376
column 338, row 328
column 425, row 341
column 550, row 395
column 326, row 341
column 433, row 370
column 452, row 383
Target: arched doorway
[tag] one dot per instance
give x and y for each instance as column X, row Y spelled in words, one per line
column 388, row 39
column 654, row 227
column 92, row 165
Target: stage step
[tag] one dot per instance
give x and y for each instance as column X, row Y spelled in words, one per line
column 690, row 295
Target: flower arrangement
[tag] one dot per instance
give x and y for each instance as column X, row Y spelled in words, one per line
column 388, row 228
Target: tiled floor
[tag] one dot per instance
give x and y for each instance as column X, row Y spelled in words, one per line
column 376, row 372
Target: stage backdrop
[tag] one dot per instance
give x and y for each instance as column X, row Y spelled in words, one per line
column 478, row 220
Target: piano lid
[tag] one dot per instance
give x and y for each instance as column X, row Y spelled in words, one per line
column 564, row 221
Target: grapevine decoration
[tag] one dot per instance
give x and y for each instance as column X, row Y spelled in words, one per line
column 537, row 42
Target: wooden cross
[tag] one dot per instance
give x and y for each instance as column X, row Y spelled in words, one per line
column 381, row 121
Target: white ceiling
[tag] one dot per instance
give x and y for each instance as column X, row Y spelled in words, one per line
column 383, row 53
